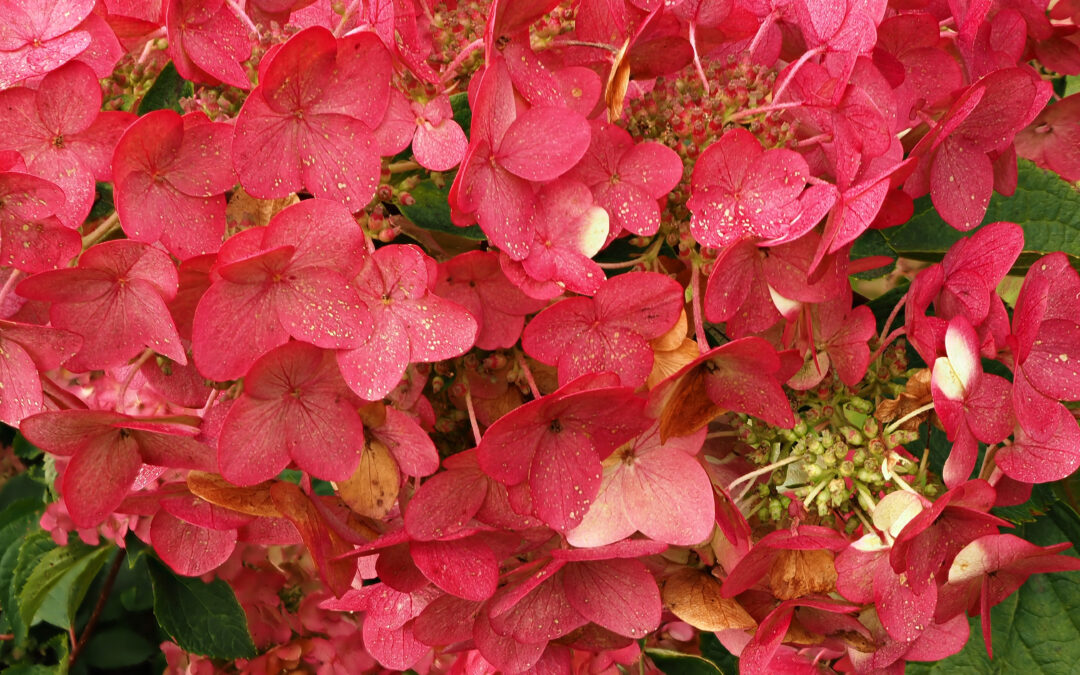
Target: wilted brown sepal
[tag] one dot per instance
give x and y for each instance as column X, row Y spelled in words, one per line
column 694, row 596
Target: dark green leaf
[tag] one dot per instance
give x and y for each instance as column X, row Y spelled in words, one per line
column 1047, row 207
column 462, row 112
column 1035, row 630
column 718, row 654
column 103, row 202
column 1042, row 496
column 202, row 618
column 872, row 243
column 166, row 91
column 432, row 212
column 677, row 663
column 24, row 449
column 117, row 647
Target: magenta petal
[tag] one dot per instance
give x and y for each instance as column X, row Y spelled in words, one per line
column 438, row 329
column 462, row 567
column 218, row 354
column 620, row 595
column 375, row 367
column 394, row 648
column 504, row 653
column 20, row 395
column 543, row 143
column 1035, row 461
column 407, row 441
column 741, row 380
column 961, row 182
column 445, row 503
column 564, row 478
column 339, row 160
column 543, row 614
column 149, row 209
column 247, row 457
column 319, row 306
column 98, row 478
column 188, row 549
column 447, row 619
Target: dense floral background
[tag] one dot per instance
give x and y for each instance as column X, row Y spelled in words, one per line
column 593, row 336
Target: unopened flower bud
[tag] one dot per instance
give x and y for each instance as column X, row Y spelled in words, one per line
column 871, row 427
column 852, row 436
column 847, row 468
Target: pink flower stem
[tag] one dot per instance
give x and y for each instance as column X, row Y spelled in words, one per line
column 237, row 7
column 472, row 415
column 12, row 279
column 105, row 229
column 818, row 138
column 451, row 69
column 772, row 107
column 345, row 16
column 761, row 31
column 528, row 375
column 147, row 353
column 888, row 341
column 697, row 58
column 988, row 466
column 794, row 69
column 149, row 46
column 368, row 240
column 695, row 302
column 214, row 393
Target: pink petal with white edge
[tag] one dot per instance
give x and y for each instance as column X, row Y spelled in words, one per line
column 620, row 595
column 188, row 549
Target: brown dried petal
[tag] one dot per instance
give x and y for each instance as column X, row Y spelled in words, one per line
column 373, row 488
column 798, row 573
column 694, row 596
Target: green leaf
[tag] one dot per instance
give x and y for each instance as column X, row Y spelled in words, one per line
column 718, row 653
column 1035, row 630
column 432, row 212
column 103, row 202
column 872, row 243
column 677, row 663
column 202, row 618
column 117, row 647
column 35, row 546
column 16, row 522
column 64, row 599
column 166, row 91
column 1042, row 497
column 48, row 572
column 1044, row 205
column 24, row 449
column 459, row 103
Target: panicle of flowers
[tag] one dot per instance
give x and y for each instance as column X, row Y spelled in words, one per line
column 549, row 306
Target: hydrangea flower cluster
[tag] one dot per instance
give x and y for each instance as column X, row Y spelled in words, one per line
column 520, row 335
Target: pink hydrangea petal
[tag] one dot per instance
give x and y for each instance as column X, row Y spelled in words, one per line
column 218, row 46
column 360, row 81
column 188, row 549
column 461, row 567
column 446, row 620
column 669, row 497
column 551, row 332
column 395, row 648
column 445, row 503
column 247, row 458
column 264, row 149
column 151, row 209
column 620, row 595
column 543, row 614
column 1041, row 461
column 297, row 74
column 653, row 167
column 374, row 368
column 20, row 395
column 742, row 381
column 203, row 158
column 410, row 445
column 98, row 478
column 505, row 653
column 333, row 168
column 218, row 354
column 630, row 208
column 961, row 181
column 439, row 147
column 543, row 143
column 564, row 478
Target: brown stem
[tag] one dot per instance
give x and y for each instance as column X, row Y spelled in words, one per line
column 96, row 614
